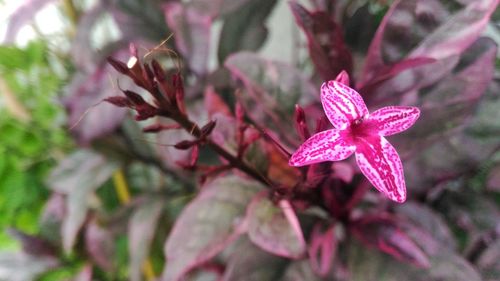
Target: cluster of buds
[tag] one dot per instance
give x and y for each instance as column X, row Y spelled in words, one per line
column 168, row 94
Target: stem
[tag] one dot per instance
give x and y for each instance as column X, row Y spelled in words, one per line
column 71, row 11
column 122, row 190
column 236, row 162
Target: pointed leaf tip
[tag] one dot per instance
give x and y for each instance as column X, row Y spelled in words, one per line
column 380, row 163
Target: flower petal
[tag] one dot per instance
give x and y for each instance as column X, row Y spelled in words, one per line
column 391, row 120
column 342, row 104
column 329, row 145
column 380, row 163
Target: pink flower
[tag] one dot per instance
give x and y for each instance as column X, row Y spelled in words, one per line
column 357, row 131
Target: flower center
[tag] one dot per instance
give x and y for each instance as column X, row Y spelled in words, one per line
column 361, row 128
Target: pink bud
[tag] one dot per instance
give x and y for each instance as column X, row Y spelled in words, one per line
column 343, row 78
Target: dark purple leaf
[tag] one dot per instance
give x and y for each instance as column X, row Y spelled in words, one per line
column 139, row 20
column 216, row 8
column 99, row 244
column 141, row 228
column 426, row 227
column 191, row 31
column 33, row 245
column 77, row 177
column 383, row 233
column 458, row 32
column 453, row 100
column 272, row 89
column 119, row 101
column 245, row 29
column 248, row 262
column 367, row 264
column 208, row 224
column 325, row 39
column 275, row 229
column 22, row 15
column 444, row 43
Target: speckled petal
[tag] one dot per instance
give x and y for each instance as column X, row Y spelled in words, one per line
column 342, row 104
column 391, row 120
column 329, row 145
column 380, row 163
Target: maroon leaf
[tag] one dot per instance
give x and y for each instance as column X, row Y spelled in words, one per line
column 191, row 31
column 383, row 233
column 208, row 224
column 141, row 229
column 119, row 101
column 275, row 228
column 33, row 245
column 325, row 40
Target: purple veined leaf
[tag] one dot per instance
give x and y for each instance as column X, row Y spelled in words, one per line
column 342, row 104
column 272, row 89
column 214, row 219
column 329, row 145
column 380, row 163
column 246, row 27
column 300, row 270
column 460, row 92
column 247, row 262
column 383, row 233
column 191, row 31
column 24, row 14
column 85, row 274
column 99, row 244
column 369, row 264
column 138, row 20
column 275, row 228
column 391, row 120
column 325, row 40
column 374, row 61
column 386, row 72
column 141, row 229
column 322, row 250
column 77, row 177
column 459, row 32
column 18, row 266
column 216, row 8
